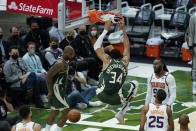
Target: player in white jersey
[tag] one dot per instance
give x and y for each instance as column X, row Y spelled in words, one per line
column 156, row 115
column 161, row 79
column 184, row 121
column 26, row 124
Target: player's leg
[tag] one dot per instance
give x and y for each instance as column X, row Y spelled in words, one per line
column 51, row 118
column 62, row 120
column 128, row 92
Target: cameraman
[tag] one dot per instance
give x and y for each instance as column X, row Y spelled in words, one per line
column 77, row 97
column 6, row 123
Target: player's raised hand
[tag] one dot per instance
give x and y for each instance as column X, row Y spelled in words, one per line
column 122, row 25
column 107, row 25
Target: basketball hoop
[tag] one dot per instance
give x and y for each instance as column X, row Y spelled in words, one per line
column 99, row 16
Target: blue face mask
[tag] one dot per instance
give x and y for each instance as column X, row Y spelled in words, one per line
column 32, row 51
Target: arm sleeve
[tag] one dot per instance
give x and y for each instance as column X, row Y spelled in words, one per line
column 172, row 89
column 50, row 58
column 100, row 40
column 149, row 92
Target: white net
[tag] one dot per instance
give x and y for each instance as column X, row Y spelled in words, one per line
column 110, row 17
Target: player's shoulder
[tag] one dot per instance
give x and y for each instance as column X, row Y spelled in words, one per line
column 169, row 75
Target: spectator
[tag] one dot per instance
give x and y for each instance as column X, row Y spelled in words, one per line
column 5, row 106
column 15, row 40
column 93, row 34
column 53, row 32
column 26, row 124
column 53, row 52
column 77, row 97
column 34, row 64
column 67, row 40
column 40, row 37
column 84, row 52
column 20, row 79
column 192, row 47
column 33, row 61
column 82, row 65
column 3, row 47
column 184, row 121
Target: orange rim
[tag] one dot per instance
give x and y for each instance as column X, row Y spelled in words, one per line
column 95, row 14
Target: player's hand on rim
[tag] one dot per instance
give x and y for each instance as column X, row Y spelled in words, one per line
column 107, row 25
column 122, row 25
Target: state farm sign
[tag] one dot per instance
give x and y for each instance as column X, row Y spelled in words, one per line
column 46, row 8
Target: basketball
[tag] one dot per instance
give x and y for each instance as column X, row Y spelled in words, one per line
column 74, row 115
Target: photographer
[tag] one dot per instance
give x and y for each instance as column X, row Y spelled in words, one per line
column 6, row 123
column 77, row 97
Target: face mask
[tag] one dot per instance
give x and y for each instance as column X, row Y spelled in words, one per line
column 35, row 30
column 15, row 56
column 56, row 25
column 54, row 47
column 93, row 33
column 32, row 51
column 70, row 38
column 82, row 33
column 15, row 37
column 1, row 36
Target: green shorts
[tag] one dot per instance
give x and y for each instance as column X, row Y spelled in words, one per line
column 118, row 97
column 59, row 99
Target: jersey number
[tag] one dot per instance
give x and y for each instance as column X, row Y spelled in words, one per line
column 156, row 122
column 115, row 79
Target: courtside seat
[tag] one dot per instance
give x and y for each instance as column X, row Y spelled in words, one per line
column 174, row 37
column 143, row 19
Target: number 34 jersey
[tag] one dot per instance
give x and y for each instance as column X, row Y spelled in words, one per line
column 112, row 78
column 165, row 82
column 156, row 118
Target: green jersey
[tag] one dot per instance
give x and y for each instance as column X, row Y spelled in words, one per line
column 112, row 78
column 59, row 99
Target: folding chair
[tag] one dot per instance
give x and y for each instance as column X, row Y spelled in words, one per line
column 176, row 31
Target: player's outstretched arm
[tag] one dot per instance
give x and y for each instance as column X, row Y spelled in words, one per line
column 143, row 118
column 170, row 120
column 57, row 67
column 97, row 46
column 126, row 53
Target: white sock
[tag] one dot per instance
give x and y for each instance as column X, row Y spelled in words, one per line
column 59, row 128
column 47, row 128
column 125, row 107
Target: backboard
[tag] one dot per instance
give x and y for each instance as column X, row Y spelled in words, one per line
column 74, row 13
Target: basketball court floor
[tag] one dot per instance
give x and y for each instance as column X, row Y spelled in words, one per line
column 102, row 118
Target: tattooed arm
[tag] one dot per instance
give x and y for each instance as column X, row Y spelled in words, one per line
column 57, row 67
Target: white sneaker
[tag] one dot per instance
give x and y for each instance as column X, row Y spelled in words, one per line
column 95, row 103
column 81, row 106
column 120, row 117
column 43, row 98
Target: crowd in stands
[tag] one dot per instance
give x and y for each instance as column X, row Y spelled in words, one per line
column 25, row 59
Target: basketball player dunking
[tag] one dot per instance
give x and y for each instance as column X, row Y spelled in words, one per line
column 56, row 80
column 156, row 115
column 111, row 88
